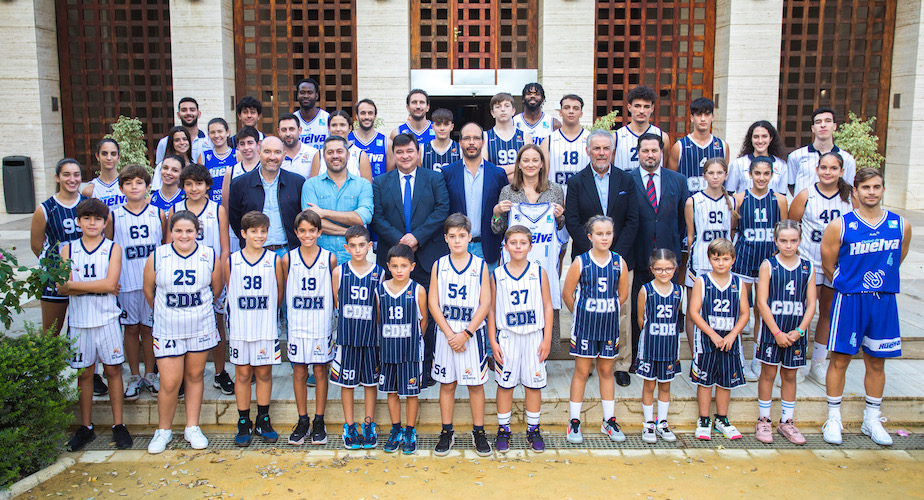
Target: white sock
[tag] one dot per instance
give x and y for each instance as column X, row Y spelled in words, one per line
column 575, row 409
column 789, row 407
column 754, row 361
column 819, row 353
column 872, row 407
column 834, row 407
column 532, row 417
column 609, row 409
column 662, row 410
column 647, row 411
column 763, row 408
column 503, row 418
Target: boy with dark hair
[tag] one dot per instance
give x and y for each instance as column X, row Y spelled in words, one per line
column 503, row 142
column 690, row 153
column 249, row 111
column 442, row 150
column 640, row 103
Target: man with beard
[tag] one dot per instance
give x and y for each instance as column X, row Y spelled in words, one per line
column 533, row 120
column 298, row 156
column 312, row 119
column 640, row 103
column 373, row 142
column 340, row 198
column 418, row 104
column 188, row 113
column 474, row 186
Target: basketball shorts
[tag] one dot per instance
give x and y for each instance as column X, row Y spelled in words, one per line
column 401, row 378
column 255, row 352
column 50, row 294
column 865, row 319
column 135, row 309
column 311, row 351
column 692, row 274
column 521, row 361
column 465, row 368
column 221, row 305
column 588, row 348
column 662, row 371
column 170, row 348
column 793, row 356
column 354, row 366
column 821, row 279
column 717, row 368
column 747, row 275
column 103, row 343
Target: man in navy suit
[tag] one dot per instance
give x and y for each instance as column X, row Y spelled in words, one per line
column 474, row 186
column 661, row 195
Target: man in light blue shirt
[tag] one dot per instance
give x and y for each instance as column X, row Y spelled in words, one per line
column 341, row 199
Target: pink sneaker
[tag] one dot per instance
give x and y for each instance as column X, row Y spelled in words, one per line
column 764, row 431
column 790, row 432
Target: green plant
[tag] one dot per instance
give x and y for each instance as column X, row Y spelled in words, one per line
column 36, row 399
column 130, row 136
column 14, row 288
column 606, row 122
column 858, row 137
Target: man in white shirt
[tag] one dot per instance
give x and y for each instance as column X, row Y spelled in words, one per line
column 298, row 156
column 803, row 161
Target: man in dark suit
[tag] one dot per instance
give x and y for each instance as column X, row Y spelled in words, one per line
column 661, row 195
column 601, row 185
column 474, row 186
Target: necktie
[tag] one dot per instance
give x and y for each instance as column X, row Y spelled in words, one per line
column 407, row 203
column 652, row 194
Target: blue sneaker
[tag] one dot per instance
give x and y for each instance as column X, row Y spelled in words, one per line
column 370, row 435
column 311, row 381
column 395, row 438
column 265, row 429
column 351, row 439
column 410, row 442
column 502, row 440
column 244, row 432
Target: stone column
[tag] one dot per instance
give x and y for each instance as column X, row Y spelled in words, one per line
column 383, row 26
column 567, row 30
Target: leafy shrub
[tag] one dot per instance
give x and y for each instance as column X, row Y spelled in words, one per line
column 858, row 137
column 606, row 122
column 14, row 289
column 130, row 136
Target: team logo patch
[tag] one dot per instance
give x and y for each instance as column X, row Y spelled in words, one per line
column 893, row 224
column 853, row 225
column 797, row 352
column 378, row 142
column 262, row 351
column 412, row 382
column 116, row 350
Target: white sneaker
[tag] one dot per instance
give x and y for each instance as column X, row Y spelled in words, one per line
column 664, row 432
column 196, row 439
column 151, row 382
column 649, row 434
column 160, row 441
column 728, row 430
column 831, row 431
column 574, row 432
column 872, row 427
column 817, row 373
column 133, row 388
column 749, row 375
column 800, row 375
column 704, row 428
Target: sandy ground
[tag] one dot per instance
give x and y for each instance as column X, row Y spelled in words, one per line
column 611, row 474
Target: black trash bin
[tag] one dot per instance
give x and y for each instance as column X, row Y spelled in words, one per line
column 18, row 186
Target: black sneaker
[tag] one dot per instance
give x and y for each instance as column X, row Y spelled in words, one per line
column 482, row 446
column 447, row 439
column 182, row 392
column 223, row 381
column 122, row 438
column 244, row 432
column 301, row 430
column 265, row 430
column 318, row 431
column 81, row 438
column 99, row 387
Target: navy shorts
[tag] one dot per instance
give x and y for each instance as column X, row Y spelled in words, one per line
column 354, row 366
column 717, row 368
column 50, row 294
column 662, row 371
column 787, row 357
column 401, row 378
column 867, row 319
column 589, row 348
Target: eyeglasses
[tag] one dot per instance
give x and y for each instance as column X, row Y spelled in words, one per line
column 470, row 138
column 663, row 270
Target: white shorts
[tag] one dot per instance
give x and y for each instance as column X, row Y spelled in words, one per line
column 467, row 368
column 135, row 309
column 255, row 353
column 314, row 351
column 744, row 278
column 821, row 279
column 221, row 307
column 170, row 348
column 692, row 274
column 103, row 343
column 521, row 360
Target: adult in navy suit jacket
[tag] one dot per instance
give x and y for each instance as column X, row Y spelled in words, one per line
column 493, row 179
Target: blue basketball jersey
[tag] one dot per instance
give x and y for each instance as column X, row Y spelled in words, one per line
column 720, row 310
column 596, row 313
column 355, row 298
column 424, row 136
column 754, row 243
column 503, row 152
column 217, row 166
column 660, row 340
column 399, row 324
column 788, row 290
column 60, row 224
column 158, row 200
column 692, row 158
column 435, row 160
column 870, row 254
column 375, row 150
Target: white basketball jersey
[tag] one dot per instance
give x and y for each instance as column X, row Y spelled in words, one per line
column 460, row 290
column 540, row 220
column 352, row 161
column 542, row 129
column 626, row 155
column 138, row 235
column 183, row 295
column 315, row 132
column 739, row 177
column 208, row 224
column 819, row 212
column 110, row 194
column 253, row 297
column 518, row 300
column 91, row 310
column 711, row 220
column 567, row 157
column 238, row 170
column 309, row 296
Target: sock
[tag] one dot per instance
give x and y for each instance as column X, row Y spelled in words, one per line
column 396, row 426
column 721, row 418
column 789, row 408
column 575, row 409
column 91, row 425
column 819, row 353
column 647, row 412
column 264, row 410
column 532, row 418
column 834, row 407
column 872, row 406
column 763, row 408
column 318, row 417
column 303, row 417
column 662, row 410
column 447, row 427
column 245, row 414
column 503, row 419
column 609, row 409
column 478, row 428
column 408, row 429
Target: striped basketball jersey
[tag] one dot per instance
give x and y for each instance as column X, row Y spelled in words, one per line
column 820, row 210
column 711, row 220
column 208, row 224
column 567, row 156
column 460, row 290
column 754, row 242
column 518, row 300
column 435, row 160
column 354, row 155
column 217, row 165
column 110, row 194
column 870, row 254
column 375, row 150
column 660, row 339
column 253, row 297
column 158, row 200
column 183, row 295
column 60, row 224
column 424, row 136
column 626, row 155
column 739, row 175
column 539, row 131
column 356, row 324
column 788, row 294
column 503, row 152
column 803, row 162
column 138, row 235
column 720, row 310
column 540, row 220
column 596, row 312
column 309, row 295
column 400, row 338
column 90, row 310
column 315, row 132
column 693, row 157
